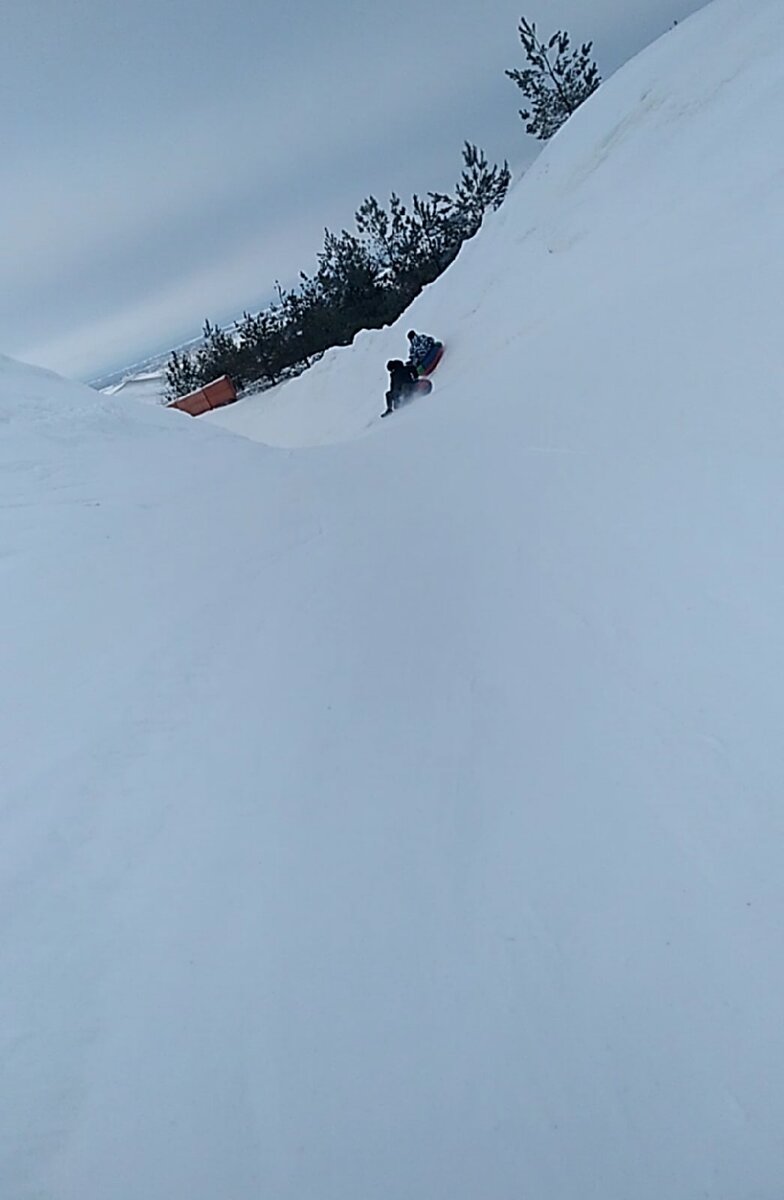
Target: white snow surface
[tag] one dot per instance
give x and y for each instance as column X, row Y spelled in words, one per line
column 146, row 387
column 402, row 817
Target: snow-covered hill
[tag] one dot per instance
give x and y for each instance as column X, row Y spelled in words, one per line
column 402, row 816
column 145, row 387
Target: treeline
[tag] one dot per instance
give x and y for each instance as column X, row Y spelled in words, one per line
column 364, row 280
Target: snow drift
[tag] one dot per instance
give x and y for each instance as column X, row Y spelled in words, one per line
column 401, row 816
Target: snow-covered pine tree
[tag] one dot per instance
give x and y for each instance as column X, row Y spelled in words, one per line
column 350, row 286
column 261, row 346
column 182, row 375
column 479, row 189
column 557, row 81
column 218, row 355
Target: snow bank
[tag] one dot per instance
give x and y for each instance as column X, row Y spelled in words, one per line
column 401, row 817
column 146, row 387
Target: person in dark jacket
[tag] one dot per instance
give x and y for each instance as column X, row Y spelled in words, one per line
column 402, row 378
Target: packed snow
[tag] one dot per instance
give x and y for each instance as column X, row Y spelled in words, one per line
column 395, row 810
column 147, row 387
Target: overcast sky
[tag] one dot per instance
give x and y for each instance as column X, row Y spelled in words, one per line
column 166, row 160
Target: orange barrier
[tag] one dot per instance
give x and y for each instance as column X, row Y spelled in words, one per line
column 213, row 395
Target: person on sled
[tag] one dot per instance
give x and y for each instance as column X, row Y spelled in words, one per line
column 402, row 381
column 423, row 352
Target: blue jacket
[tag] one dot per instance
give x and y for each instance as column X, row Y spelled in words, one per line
column 421, row 346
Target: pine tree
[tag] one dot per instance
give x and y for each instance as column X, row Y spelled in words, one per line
column 362, row 282
column 557, row 81
column 439, row 234
column 260, row 345
column 219, row 355
column 478, row 189
column 348, row 281
column 307, row 323
column 181, row 375
column 383, row 230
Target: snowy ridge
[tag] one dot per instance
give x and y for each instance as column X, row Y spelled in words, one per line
column 146, row 387
column 631, row 222
column 401, row 816
column 28, row 393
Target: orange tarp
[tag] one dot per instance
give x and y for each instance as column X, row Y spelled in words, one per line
column 212, row 395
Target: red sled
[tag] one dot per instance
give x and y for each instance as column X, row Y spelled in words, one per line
column 422, row 387
column 431, row 360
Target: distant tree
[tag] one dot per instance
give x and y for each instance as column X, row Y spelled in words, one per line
column 308, row 323
column 412, row 247
column 557, row 81
column 349, row 284
column 478, row 190
column 182, row 375
column 385, row 235
column 261, row 347
column 436, row 236
column 219, row 354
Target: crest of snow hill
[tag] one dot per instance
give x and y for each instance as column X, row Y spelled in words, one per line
column 403, row 818
column 363, row 281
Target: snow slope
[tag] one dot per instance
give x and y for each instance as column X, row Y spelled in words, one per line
column 401, row 817
column 146, row 387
